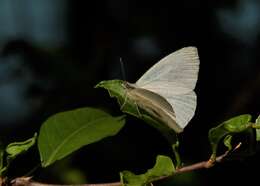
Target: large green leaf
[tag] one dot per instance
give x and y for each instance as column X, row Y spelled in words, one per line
column 163, row 168
column 66, row 132
column 116, row 88
column 228, row 128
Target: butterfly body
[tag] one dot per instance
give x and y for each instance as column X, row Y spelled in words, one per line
column 154, row 104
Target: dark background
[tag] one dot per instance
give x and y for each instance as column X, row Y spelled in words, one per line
column 54, row 52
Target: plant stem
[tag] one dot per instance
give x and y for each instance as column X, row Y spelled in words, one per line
column 27, row 181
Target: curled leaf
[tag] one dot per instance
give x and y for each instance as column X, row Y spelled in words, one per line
column 16, row 148
column 227, row 142
column 230, row 127
column 162, row 168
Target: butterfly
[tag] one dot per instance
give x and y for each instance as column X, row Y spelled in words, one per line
column 166, row 90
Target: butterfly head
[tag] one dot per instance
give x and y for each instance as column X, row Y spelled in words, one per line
column 129, row 86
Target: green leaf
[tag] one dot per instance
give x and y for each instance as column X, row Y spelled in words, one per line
column 2, row 168
column 257, row 122
column 66, row 132
column 175, row 147
column 230, row 127
column 16, row 148
column 227, row 142
column 238, row 124
column 163, row 168
column 116, row 89
column 13, row 150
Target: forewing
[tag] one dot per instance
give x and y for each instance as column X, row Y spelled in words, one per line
column 174, row 78
column 179, row 68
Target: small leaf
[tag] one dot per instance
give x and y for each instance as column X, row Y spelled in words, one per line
column 16, row 148
column 234, row 125
column 163, row 168
column 66, row 132
column 175, row 147
column 117, row 89
column 238, row 124
column 2, row 149
column 13, row 150
column 227, row 142
column 2, row 167
column 257, row 122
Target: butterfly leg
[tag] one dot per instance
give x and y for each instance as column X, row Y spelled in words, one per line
column 135, row 104
column 137, row 109
column 125, row 100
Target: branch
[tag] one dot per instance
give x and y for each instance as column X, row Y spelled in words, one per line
column 27, row 181
column 201, row 165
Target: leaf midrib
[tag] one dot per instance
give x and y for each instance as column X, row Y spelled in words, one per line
column 55, row 152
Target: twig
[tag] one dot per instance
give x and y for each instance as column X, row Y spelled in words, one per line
column 201, row 165
column 27, row 181
column 205, row 164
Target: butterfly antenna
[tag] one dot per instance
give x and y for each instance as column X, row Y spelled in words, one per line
column 122, row 68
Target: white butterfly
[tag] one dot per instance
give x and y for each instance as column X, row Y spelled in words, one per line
column 166, row 90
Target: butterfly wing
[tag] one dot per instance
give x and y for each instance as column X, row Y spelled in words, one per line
column 155, row 105
column 174, row 78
